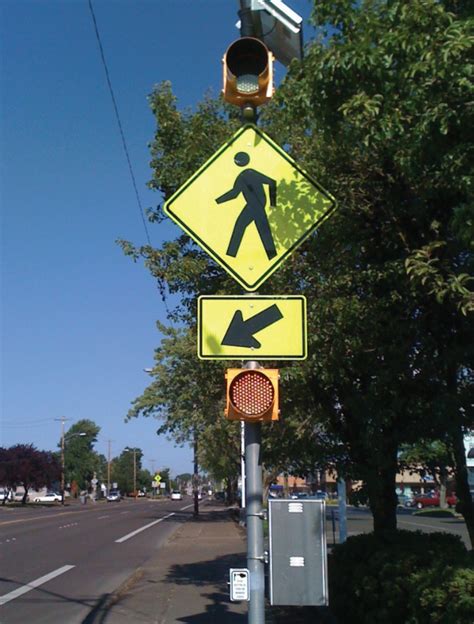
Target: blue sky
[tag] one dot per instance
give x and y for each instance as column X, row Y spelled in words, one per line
column 78, row 318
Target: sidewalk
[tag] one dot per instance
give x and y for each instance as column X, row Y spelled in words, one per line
column 186, row 580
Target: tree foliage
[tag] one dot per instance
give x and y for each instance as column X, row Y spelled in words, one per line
column 81, row 461
column 25, row 465
column 123, row 471
column 379, row 112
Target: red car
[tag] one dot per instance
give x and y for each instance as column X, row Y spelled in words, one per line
column 432, row 500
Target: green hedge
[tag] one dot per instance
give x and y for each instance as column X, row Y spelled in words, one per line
column 402, row 577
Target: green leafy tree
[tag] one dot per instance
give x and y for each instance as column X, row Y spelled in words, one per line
column 123, row 469
column 81, row 461
column 379, row 113
column 165, row 478
column 185, row 397
column 144, row 479
column 432, row 458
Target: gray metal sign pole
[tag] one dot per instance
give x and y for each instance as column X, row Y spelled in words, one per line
column 254, row 515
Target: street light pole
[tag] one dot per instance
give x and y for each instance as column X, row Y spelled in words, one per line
column 62, row 460
column 109, row 443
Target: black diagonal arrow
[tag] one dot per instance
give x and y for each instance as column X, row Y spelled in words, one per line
column 240, row 332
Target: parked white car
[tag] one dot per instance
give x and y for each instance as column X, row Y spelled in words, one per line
column 49, row 497
column 176, row 495
column 114, row 496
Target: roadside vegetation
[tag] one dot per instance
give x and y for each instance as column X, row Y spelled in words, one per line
column 378, row 113
column 402, row 576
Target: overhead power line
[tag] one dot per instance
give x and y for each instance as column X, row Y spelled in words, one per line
column 119, row 123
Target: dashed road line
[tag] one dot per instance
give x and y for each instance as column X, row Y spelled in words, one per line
column 186, row 507
column 66, row 526
column 16, row 593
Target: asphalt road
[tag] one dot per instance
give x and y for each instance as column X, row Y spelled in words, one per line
column 60, row 564
column 359, row 520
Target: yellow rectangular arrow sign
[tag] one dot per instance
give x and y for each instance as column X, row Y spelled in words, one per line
column 257, row 328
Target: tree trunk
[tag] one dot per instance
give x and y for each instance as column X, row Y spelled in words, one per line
column 465, row 505
column 382, row 495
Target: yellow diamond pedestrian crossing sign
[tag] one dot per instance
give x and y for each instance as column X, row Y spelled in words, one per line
column 250, row 206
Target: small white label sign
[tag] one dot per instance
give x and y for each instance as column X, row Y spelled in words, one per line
column 239, row 584
column 295, row 507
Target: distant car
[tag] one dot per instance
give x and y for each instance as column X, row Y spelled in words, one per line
column 114, row 496
column 18, row 496
column 405, row 500
column 176, row 495
column 432, row 500
column 49, row 497
column 297, row 495
column 139, row 493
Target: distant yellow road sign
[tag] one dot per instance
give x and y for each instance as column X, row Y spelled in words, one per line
column 260, row 328
column 250, row 206
column 157, row 478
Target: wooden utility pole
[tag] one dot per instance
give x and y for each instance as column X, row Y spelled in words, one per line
column 62, row 420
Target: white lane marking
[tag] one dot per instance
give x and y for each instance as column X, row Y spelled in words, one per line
column 147, row 526
column 102, row 517
column 124, row 512
column 187, row 507
column 33, row 584
column 420, row 525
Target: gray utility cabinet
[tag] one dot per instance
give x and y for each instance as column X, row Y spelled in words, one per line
column 298, row 552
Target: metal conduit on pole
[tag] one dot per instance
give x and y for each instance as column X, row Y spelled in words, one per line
column 253, row 489
column 245, row 14
column 254, row 515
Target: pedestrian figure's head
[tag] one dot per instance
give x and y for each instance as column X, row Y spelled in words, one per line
column 242, row 159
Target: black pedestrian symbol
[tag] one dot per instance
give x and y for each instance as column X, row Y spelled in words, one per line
column 251, row 184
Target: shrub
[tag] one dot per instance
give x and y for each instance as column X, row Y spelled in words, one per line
column 402, row 577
